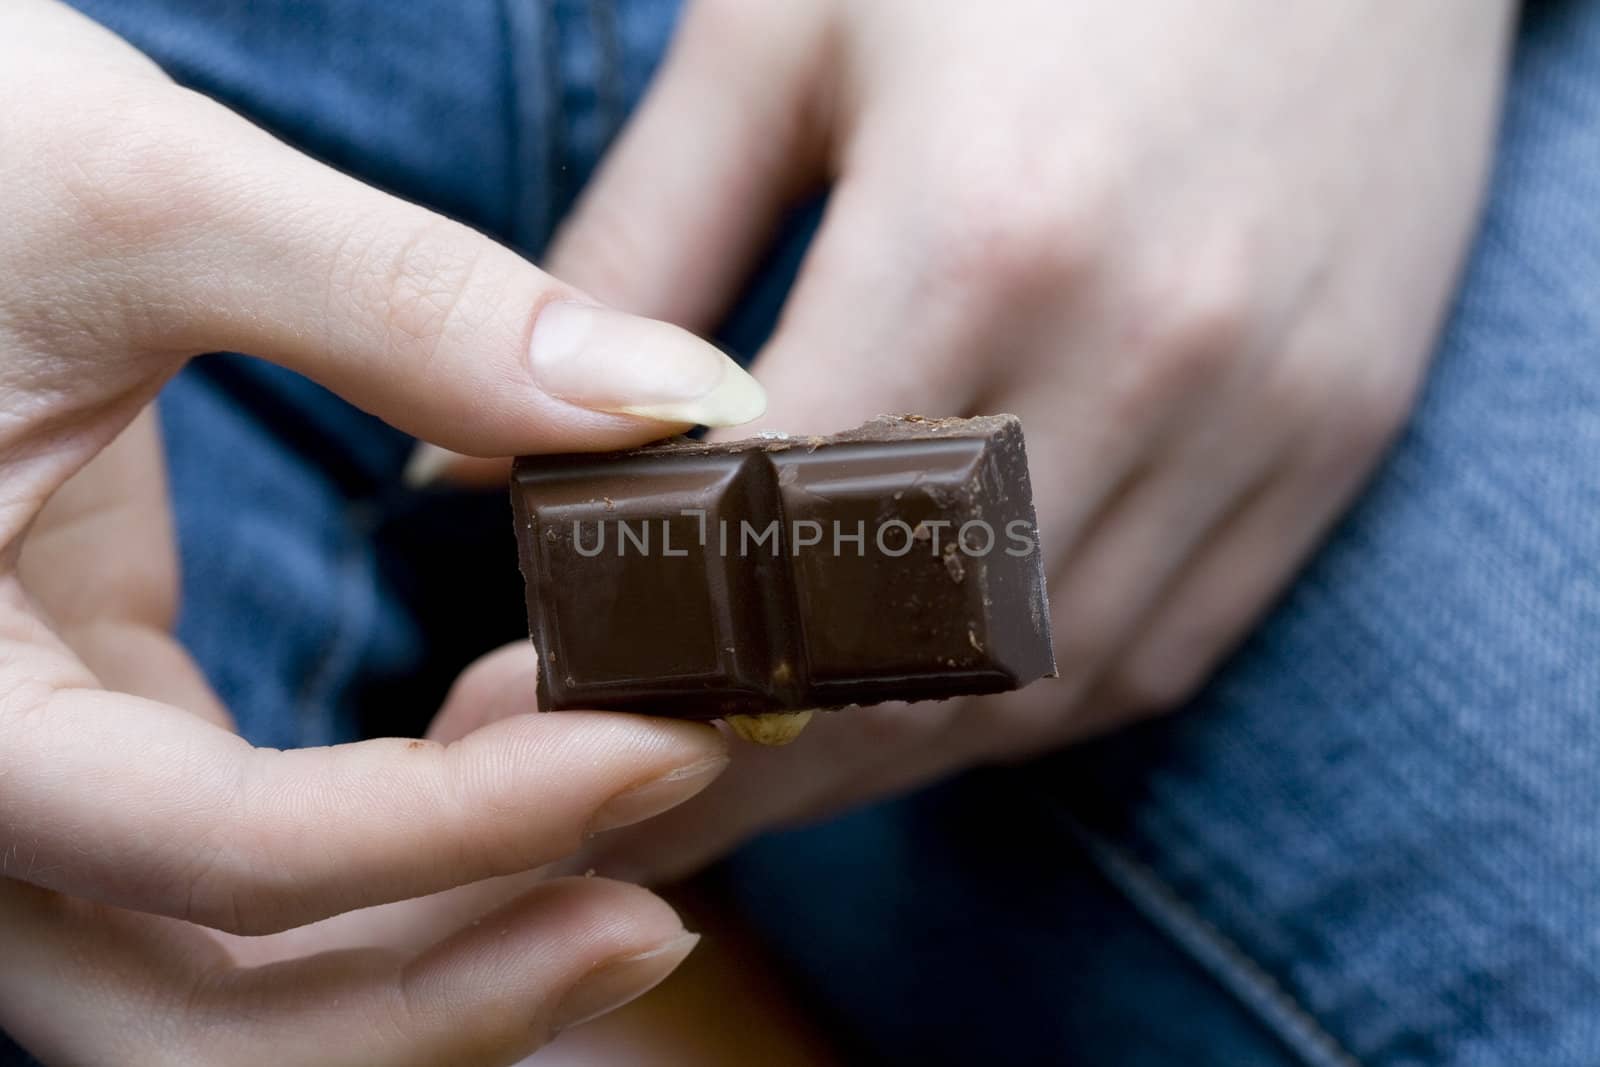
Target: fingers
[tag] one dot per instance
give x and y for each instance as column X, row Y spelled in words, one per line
column 45, row 37
column 758, row 785
column 134, row 803
column 866, row 333
column 730, row 133
column 74, row 563
column 1227, row 585
column 841, row 758
column 88, row 984
column 496, row 686
column 490, row 993
column 863, row 333
column 1154, row 655
column 1135, row 548
column 493, row 992
column 75, row 558
column 175, row 225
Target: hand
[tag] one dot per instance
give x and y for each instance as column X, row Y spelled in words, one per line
column 1202, row 250
column 143, row 225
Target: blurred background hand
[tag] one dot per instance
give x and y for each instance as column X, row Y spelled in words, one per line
column 1202, row 250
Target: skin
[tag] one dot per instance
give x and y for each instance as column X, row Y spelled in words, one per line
column 169, row 894
column 1203, row 250
column 1206, row 275
column 726, row 1005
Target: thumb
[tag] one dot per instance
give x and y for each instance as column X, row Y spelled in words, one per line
column 216, row 236
column 731, row 133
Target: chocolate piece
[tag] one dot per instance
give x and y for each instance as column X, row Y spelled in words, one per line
column 772, row 728
column 898, row 561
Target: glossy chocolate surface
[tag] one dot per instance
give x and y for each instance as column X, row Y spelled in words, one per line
column 898, row 561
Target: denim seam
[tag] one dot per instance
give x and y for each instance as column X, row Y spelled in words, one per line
column 512, row 221
column 1219, row 955
column 557, row 137
column 535, row 102
column 610, row 89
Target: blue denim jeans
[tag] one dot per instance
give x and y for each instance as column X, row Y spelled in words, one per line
column 1374, row 838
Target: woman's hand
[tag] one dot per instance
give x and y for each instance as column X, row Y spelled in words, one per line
column 144, row 224
column 1202, row 250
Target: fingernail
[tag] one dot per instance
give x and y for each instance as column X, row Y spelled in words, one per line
column 605, row 360
column 657, row 795
column 615, row 983
column 427, row 462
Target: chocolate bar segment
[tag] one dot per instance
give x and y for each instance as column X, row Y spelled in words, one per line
column 898, row 561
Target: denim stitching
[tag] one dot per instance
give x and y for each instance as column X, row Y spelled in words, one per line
column 609, row 86
column 557, row 168
column 1219, row 955
column 535, row 86
column 516, row 184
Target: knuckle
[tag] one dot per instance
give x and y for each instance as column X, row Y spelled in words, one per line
column 1198, row 323
column 238, row 880
column 1190, row 331
column 25, row 701
column 217, row 894
column 999, row 232
column 391, row 1019
column 241, row 889
column 418, row 282
column 207, row 879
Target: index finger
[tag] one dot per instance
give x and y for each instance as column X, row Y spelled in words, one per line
column 139, row 804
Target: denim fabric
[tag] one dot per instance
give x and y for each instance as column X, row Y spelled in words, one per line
column 1379, row 827
column 1373, row 840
